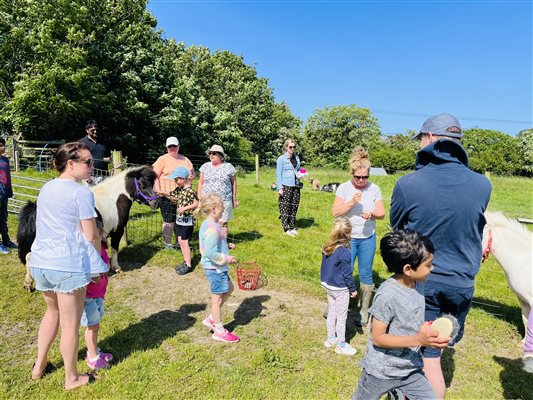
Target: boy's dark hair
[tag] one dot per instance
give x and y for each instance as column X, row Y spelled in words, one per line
column 402, row 247
column 2, row 141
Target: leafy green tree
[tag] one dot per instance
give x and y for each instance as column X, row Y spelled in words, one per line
column 525, row 144
column 492, row 151
column 331, row 134
column 396, row 153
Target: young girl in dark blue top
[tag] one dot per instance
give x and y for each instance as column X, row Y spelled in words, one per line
column 336, row 275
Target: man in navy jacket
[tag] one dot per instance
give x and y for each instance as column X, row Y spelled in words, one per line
column 445, row 201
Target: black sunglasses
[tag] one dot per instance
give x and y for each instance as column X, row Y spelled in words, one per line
column 292, row 147
column 361, row 177
column 87, row 161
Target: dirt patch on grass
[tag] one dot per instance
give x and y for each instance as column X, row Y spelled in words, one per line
column 152, row 290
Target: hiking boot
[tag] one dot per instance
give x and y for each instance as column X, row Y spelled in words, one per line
column 99, row 363
column 182, row 269
column 209, row 323
column 345, row 349
column 10, row 245
column 226, row 336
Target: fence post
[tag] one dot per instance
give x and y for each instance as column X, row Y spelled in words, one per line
column 116, row 156
column 257, row 169
column 15, row 154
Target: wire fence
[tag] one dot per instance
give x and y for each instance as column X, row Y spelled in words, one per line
column 145, row 227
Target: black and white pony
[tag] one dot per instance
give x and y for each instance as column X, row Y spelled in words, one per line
column 113, row 200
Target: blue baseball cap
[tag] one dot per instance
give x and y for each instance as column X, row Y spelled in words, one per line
column 438, row 125
column 179, row 172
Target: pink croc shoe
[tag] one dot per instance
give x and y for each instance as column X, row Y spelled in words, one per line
column 99, row 363
column 226, row 336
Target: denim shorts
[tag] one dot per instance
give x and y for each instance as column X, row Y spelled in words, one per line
column 218, row 281
column 59, row 281
column 445, row 299
column 93, row 311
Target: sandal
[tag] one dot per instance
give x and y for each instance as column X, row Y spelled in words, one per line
column 89, row 381
column 47, row 370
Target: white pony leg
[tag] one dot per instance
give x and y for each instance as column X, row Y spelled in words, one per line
column 526, row 309
column 28, row 280
column 114, row 261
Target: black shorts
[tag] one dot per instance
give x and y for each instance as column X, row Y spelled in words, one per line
column 168, row 210
column 183, row 231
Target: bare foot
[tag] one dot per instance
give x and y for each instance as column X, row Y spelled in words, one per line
column 81, row 380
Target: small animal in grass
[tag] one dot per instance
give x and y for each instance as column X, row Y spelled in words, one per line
column 330, row 187
column 315, row 184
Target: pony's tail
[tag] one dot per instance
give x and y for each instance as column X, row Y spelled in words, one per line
column 26, row 230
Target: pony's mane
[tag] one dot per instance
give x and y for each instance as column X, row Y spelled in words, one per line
column 497, row 219
column 116, row 179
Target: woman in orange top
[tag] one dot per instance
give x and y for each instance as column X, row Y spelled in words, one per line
column 163, row 167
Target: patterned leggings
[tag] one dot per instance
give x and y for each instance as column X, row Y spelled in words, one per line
column 288, row 206
column 337, row 313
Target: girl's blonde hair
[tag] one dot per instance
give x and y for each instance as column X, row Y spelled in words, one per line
column 207, row 204
column 359, row 159
column 340, row 236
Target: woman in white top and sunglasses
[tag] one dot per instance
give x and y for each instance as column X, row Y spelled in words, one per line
column 361, row 201
column 65, row 255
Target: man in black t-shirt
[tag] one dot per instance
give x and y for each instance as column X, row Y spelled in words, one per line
column 98, row 150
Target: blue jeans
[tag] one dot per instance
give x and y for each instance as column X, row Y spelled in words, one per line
column 364, row 250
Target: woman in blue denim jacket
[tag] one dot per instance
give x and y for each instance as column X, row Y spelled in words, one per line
column 288, row 184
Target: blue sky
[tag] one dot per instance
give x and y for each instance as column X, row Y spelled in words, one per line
column 405, row 60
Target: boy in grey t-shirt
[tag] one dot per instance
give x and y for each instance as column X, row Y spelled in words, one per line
column 393, row 359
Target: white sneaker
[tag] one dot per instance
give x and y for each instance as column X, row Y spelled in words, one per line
column 345, row 349
column 329, row 343
column 294, row 232
column 289, row 233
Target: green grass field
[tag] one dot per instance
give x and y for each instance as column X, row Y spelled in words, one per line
column 153, row 317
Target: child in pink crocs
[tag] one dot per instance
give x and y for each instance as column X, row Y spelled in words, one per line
column 215, row 260
column 93, row 311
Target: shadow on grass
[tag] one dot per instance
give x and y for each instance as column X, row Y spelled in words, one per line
column 136, row 255
column 150, row 332
column 303, row 223
column 448, row 365
column 502, row 311
column 245, row 236
column 352, row 328
column 516, row 383
column 248, row 310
